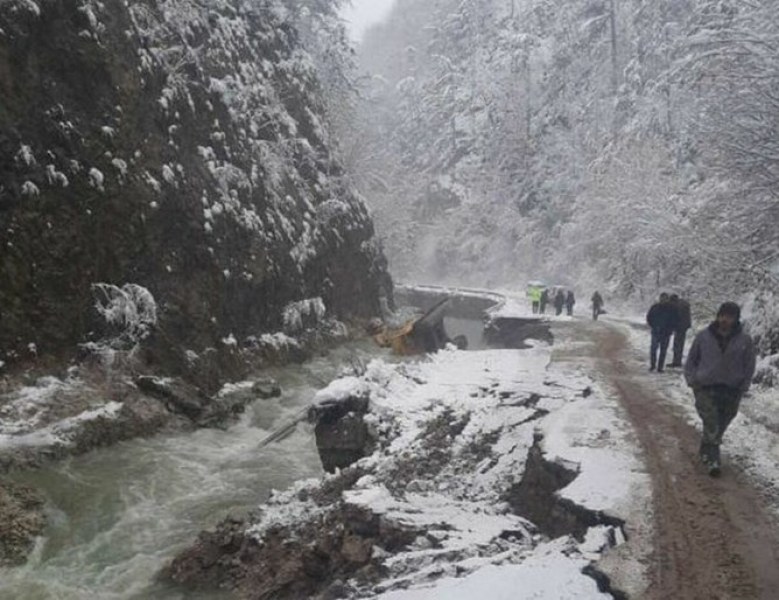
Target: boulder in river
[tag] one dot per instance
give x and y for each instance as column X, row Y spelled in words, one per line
column 21, row 521
column 179, row 397
column 342, row 435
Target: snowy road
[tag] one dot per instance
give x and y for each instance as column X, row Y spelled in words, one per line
column 713, row 539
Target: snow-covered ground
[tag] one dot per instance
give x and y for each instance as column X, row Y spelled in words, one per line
column 455, row 431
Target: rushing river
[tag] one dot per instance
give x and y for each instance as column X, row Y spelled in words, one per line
column 117, row 515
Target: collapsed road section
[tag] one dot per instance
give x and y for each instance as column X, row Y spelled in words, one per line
column 501, row 321
column 472, row 473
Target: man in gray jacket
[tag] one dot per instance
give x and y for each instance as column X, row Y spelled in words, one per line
column 719, row 369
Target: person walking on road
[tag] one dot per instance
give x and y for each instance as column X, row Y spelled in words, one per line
column 597, row 305
column 570, row 302
column 544, row 302
column 719, row 369
column 661, row 319
column 683, row 324
column 559, row 302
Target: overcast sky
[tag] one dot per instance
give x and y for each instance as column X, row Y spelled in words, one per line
column 364, row 13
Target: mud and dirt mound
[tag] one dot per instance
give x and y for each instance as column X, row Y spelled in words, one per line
column 296, row 560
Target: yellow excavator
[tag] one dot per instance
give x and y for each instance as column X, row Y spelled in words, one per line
column 419, row 334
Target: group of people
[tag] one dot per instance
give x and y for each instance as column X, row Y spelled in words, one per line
column 720, row 364
column 719, row 367
column 669, row 317
column 541, row 298
column 561, row 299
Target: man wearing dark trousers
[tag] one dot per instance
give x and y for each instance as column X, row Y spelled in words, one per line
column 683, row 324
column 719, row 369
column 597, row 305
column 661, row 319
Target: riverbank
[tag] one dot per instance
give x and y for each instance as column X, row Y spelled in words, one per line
column 489, row 466
column 114, row 516
column 49, row 415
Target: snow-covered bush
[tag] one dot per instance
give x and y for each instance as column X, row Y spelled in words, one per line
column 303, row 314
column 30, row 190
column 131, row 310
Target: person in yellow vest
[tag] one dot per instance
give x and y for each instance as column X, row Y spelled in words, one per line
column 534, row 293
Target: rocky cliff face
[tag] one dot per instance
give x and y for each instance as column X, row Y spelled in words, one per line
column 174, row 144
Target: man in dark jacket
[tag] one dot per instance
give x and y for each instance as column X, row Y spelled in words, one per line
column 570, row 302
column 597, row 305
column 719, row 369
column 544, row 301
column 661, row 319
column 559, row 302
column 683, row 324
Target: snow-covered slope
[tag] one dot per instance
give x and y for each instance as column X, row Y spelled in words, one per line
column 180, row 145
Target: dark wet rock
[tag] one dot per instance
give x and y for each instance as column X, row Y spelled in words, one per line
column 92, row 414
column 337, row 590
column 223, row 410
column 604, row 582
column 342, row 436
column 266, row 389
column 22, row 520
column 137, row 417
column 177, row 396
column 342, row 443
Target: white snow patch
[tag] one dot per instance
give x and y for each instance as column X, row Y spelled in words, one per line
column 96, row 179
column 232, row 388
column 341, row 389
column 169, row 175
column 120, row 165
column 549, row 575
column 30, row 190
column 26, row 156
column 56, row 177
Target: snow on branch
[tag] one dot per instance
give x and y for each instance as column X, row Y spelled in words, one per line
column 131, row 309
column 303, row 314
